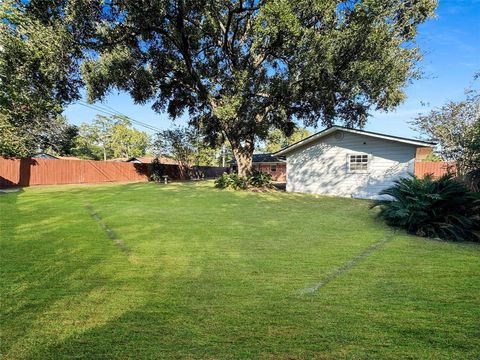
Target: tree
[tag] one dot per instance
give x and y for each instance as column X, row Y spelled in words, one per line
column 240, row 68
column 87, row 143
column 38, row 74
column 54, row 136
column 456, row 127
column 13, row 142
column 110, row 137
column 183, row 144
column 126, row 141
column 276, row 139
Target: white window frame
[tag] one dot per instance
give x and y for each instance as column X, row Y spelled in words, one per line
column 361, row 162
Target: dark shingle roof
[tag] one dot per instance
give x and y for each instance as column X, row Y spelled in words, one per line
column 263, row 158
column 43, row 156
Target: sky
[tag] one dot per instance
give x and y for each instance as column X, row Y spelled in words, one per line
column 450, row 44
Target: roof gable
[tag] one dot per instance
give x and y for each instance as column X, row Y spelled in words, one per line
column 317, row 136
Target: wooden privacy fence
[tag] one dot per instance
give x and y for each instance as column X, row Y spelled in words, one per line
column 210, row 172
column 437, row 168
column 28, row 171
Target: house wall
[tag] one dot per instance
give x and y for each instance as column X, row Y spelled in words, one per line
column 279, row 175
column 322, row 168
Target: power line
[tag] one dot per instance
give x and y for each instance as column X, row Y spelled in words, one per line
column 114, row 112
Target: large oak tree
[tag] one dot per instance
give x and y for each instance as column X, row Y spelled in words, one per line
column 240, row 68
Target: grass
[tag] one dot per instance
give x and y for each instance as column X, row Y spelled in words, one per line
column 194, row 272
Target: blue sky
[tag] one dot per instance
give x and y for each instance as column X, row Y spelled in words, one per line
column 451, row 47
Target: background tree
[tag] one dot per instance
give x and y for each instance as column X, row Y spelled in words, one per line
column 184, row 145
column 87, row 143
column 456, row 127
column 109, row 137
column 277, row 140
column 125, row 141
column 240, row 68
column 57, row 136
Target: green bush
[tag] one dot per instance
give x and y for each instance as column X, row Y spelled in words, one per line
column 230, row 181
column 260, row 179
column 442, row 208
column 156, row 170
column 255, row 180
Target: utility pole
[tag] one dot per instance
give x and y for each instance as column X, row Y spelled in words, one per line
column 223, row 155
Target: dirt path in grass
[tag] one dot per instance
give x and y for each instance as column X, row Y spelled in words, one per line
column 346, row 266
column 110, row 233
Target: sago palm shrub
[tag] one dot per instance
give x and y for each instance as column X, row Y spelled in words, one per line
column 442, row 208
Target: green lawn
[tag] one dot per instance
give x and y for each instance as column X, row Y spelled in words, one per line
column 188, row 271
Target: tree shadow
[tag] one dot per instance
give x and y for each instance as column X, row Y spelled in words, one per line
column 24, row 173
column 6, row 183
column 48, row 277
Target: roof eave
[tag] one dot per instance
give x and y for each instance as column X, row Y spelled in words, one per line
column 325, row 132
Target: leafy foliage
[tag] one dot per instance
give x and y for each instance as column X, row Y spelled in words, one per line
column 456, row 126
column 240, row 68
column 231, row 181
column 55, row 136
column 39, row 72
column 429, row 207
column 109, row 137
column 432, row 157
column 256, row 180
column 186, row 147
column 156, row 170
column 260, row 179
column 276, row 139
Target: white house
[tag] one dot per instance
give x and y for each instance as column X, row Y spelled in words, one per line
column 351, row 163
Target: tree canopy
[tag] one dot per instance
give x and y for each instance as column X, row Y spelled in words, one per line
column 456, row 127
column 241, row 68
column 39, row 74
column 109, row 137
column 184, row 145
column 276, row 139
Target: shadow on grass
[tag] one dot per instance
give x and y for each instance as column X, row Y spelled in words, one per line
column 59, row 273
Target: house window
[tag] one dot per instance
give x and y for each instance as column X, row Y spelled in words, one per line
column 357, row 163
column 273, row 168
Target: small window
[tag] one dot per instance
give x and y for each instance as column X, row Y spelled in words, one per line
column 273, row 168
column 358, row 163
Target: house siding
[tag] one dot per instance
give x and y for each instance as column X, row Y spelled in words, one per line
column 322, row 168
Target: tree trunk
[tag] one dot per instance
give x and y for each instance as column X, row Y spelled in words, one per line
column 243, row 155
column 244, row 163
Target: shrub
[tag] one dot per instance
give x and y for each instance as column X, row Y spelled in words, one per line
column 442, row 208
column 260, row 179
column 157, row 170
column 232, row 181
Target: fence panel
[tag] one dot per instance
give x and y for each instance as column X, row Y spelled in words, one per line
column 210, row 172
column 437, row 168
column 27, row 171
